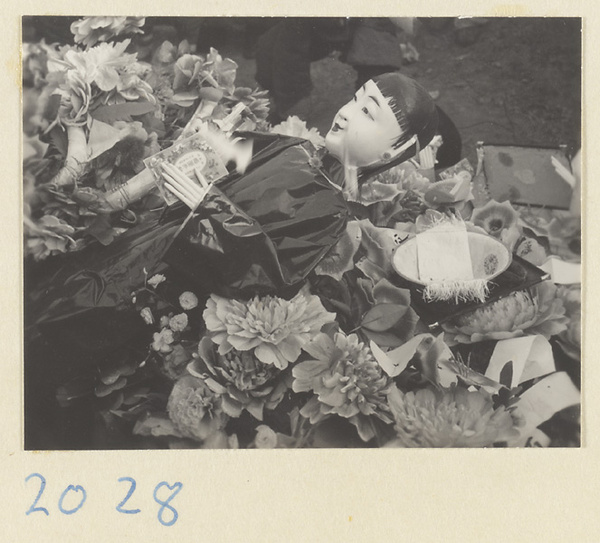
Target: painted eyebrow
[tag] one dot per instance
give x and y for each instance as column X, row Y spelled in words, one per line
column 375, row 100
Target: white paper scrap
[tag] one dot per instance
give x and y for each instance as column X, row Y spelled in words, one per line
column 561, row 272
column 394, row 362
column 531, row 357
column 542, row 401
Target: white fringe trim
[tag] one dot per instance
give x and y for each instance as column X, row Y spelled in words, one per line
column 459, row 291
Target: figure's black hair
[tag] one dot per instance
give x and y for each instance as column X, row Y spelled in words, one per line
column 416, row 114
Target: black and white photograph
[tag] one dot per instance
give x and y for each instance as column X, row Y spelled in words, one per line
column 301, row 232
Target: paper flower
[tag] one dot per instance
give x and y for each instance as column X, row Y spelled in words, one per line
column 265, row 438
column 162, row 340
column 346, row 381
column 178, row 323
column 564, row 233
column 156, row 280
column 570, row 339
column 257, row 101
column 453, row 417
column 222, row 71
column 75, row 100
column 91, row 30
column 100, row 65
column 195, row 409
column 535, row 311
column 187, row 68
column 78, row 75
column 294, row 126
column 49, row 236
column 188, row 300
column 406, row 175
column 35, row 57
column 275, row 328
column 130, row 87
column 146, row 314
column 242, row 380
column 498, row 220
column 174, row 364
column 531, row 250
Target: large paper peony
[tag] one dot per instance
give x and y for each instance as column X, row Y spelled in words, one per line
column 240, row 378
column 346, row 380
column 454, row 417
column 535, row 311
column 195, row 409
column 276, row 329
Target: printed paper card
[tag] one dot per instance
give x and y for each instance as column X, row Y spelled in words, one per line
column 187, row 155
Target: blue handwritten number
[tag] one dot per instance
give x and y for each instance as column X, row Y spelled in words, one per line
column 72, row 488
column 131, row 491
column 175, row 488
column 33, row 507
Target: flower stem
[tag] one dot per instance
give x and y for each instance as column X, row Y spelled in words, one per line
column 76, row 160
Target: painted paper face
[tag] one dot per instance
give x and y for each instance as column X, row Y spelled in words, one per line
column 363, row 129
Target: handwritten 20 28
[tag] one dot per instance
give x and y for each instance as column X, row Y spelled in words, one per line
column 73, row 498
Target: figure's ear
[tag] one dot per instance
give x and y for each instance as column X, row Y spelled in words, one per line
column 394, row 152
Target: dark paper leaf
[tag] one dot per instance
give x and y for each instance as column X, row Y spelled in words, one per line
column 385, row 292
column 104, row 390
column 384, row 339
column 77, row 388
column 335, row 432
column 453, row 369
column 110, row 377
column 405, row 328
column 383, row 316
column 112, row 402
column 185, row 99
column 156, row 426
column 52, row 105
column 371, row 270
column 102, row 230
column 87, row 197
column 152, row 124
column 122, row 112
column 58, row 139
column 506, row 374
column 362, row 299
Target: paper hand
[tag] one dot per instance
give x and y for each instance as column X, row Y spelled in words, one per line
column 188, row 191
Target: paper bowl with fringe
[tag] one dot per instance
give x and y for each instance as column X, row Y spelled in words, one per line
column 489, row 258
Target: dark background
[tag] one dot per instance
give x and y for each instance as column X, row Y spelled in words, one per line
column 504, row 80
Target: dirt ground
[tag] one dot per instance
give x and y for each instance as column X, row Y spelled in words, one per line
column 518, row 83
